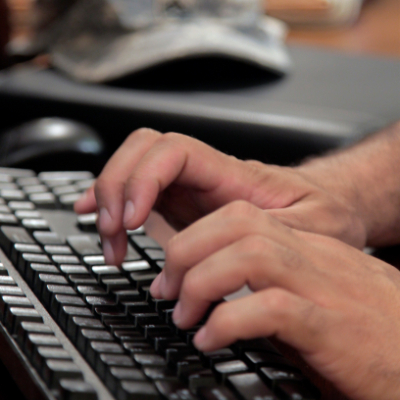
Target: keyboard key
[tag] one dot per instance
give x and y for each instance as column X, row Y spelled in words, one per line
column 275, row 374
column 74, row 269
column 174, row 390
column 44, row 200
column 25, row 328
column 258, row 359
column 72, row 389
column 133, row 266
column 112, row 284
column 57, row 249
column 31, row 189
column 28, row 181
column 91, row 290
column 87, row 222
column 115, row 375
column 103, row 301
column 80, row 279
column 80, row 323
column 86, row 335
column 64, row 175
column 8, row 219
column 83, row 245
column 55, row 370
column 216, row 393
column 127, row 295
column 106, row 271
column 142, row 279
column 65, row 189
column 11, row 290
column 95, row 348
column 3, row 270
column 34, row 340
column 224, row 369
column 48, row 238
column 131, row 390
column 250, row 387
column 106, row 361
column 31, row 258
column 50, row 290
column 296, row 390
column 144, row 242
column 22, row 214
column 35, row 224
column 67, row 201
column 12, row 301
column 21, row 205
column 7, row 280
column 94, row 260
column 43, row 353
column 65, row 259
column 16, row 315
column 32, row 271
column 60, row 300
column 12, row 194
column 155, row 255
column 66, row 313
column 16, row 172
column 10, row 235
column 147, row 360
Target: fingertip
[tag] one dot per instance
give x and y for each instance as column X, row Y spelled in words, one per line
column 86, row 203
column 202, row 340
column 108, row 252
column 155, row 287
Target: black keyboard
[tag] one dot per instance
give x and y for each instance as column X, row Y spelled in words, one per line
column 73, row 328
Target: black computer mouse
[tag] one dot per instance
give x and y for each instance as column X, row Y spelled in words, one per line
column 52, row 144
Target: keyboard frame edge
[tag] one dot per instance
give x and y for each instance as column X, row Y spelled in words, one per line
column 41, row 389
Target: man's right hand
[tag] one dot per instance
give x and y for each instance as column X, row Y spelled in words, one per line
column 184, row 179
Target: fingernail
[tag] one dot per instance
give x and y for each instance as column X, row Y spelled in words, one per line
column 155, row 286
column 129, row 211
column 108, row 252
column 176, row 316
column 104, row 218
column 200, row 338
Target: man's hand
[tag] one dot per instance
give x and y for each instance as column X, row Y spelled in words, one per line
column 339, row 307
column 184, row 179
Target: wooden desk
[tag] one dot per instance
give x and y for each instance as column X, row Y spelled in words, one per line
column 376, row 32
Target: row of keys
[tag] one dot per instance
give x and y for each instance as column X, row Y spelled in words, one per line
column 38, row 342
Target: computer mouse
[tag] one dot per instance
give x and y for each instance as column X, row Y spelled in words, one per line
column 52, row 144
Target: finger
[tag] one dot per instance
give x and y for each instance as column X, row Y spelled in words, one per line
column 110, row 185
column 256, row 261
column 177, row 159
column 114, row 248
column 276, row 312
column 211, row 234
column 87, row 203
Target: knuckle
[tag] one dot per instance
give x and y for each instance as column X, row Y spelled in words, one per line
column 277, row 300
column 143, row 133
column 254, row 245
column 240, row 209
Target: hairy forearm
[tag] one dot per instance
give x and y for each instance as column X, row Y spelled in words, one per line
column 367, row 176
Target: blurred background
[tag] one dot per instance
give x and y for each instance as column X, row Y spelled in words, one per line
column 352, row 25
